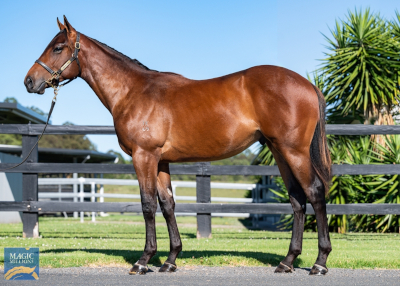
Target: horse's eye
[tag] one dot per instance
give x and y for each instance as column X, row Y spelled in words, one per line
column 57, row 50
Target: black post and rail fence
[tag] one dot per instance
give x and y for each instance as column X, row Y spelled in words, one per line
column 30, row 206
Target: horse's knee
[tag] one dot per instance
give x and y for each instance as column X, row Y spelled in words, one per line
column 167, row 206
column 149, row 208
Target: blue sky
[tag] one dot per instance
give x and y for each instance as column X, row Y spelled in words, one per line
column 198, row 39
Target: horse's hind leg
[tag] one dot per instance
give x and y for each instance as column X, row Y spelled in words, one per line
column 167, row 204
column 298, row 201
column 300, row 164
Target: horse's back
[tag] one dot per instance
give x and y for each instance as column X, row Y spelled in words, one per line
column 221, row 117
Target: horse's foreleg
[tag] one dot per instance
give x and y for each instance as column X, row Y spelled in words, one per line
column 167, row 204
column 146, row 169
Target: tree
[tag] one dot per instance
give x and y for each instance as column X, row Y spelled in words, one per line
column 361, row 70
column 10, row 100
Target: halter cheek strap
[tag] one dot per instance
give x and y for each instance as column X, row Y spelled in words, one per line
column 55, row 75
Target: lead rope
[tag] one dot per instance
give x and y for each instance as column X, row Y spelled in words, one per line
column 53, row 103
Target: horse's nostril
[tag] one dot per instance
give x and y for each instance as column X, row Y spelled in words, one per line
column 29, row 82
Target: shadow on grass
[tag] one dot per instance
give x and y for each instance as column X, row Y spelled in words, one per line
column 83, row 235
column 131, row 256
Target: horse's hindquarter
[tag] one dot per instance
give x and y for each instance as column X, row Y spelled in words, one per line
column 286, row 104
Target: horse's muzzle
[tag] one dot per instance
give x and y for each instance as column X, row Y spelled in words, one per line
column 30, row 86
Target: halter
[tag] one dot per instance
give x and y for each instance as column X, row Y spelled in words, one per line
column 55, row 75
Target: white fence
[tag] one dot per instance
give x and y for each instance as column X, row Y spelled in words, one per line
column 175, row 184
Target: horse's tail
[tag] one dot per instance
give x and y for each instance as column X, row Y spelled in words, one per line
column 319, row 152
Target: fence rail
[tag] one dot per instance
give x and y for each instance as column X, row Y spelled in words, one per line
column 212, row 170
column 36, row 129
column 30, row 206
column 124, row 182
column 175, row 184
column 200, row 208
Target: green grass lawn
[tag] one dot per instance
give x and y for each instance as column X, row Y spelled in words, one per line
column 134, row 190
column 119, row 240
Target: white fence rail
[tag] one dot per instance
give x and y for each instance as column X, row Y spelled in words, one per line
column 175, row 184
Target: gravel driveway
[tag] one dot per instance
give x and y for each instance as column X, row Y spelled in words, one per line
column 209, row 276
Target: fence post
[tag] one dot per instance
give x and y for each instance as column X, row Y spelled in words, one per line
column 30, row 187
column 92, row 191
column 203, row 195
column 81, row 194
column 75, row 188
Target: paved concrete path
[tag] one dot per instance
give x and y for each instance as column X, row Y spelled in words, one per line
column 209, row 276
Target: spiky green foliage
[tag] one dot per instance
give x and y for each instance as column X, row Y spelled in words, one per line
column 395, row 24
column 362, row 66
column 388, row 192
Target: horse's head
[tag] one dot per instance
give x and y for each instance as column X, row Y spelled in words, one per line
column 43, row 73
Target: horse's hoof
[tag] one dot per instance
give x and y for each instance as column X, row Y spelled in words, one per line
column 282, row 268
column 168, row 267
column 138, row 269
column 318, row 270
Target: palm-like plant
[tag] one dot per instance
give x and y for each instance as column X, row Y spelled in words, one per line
column 389, row 153
column 334, row 112
column 361, row 69
column 341, row 190
column 395, row 25
column 264, row 157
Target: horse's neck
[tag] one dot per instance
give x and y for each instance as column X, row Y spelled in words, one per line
column 109, row 74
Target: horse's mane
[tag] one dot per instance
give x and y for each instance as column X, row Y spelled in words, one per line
column 135, row 61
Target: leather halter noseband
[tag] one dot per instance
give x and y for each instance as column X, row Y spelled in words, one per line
column 55, row 75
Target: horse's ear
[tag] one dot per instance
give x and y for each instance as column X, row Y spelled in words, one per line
column 68, row 26
column 60, row 25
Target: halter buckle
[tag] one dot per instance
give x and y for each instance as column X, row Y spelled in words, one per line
column 77, row 45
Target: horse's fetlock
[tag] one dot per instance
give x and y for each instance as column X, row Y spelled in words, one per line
column 296, row 252
column 151, row 251
column 326, row 248
column 177, row 247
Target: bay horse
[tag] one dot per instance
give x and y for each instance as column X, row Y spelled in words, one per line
column 163, row 117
